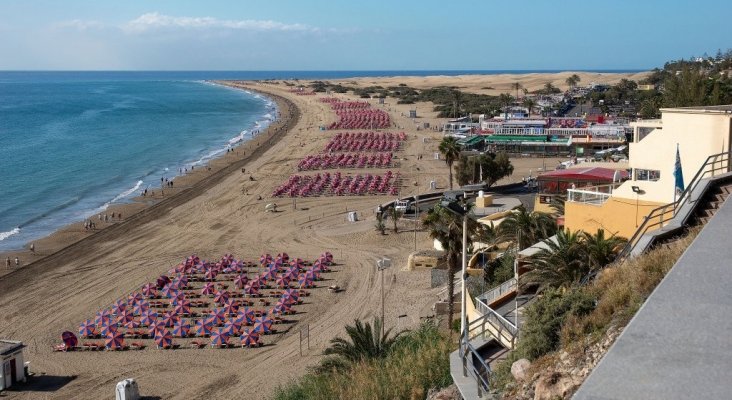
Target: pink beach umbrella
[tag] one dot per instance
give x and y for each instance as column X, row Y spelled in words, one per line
column 148, row 317
column 164, row 339
column 210, row 274
column 217, row 316
column 124, row 317
column 119, row 305
column 182, row 328
column 140, row 307
column 231, row 327
column 87, row 329
column 230, row 306
column 251, row 289
column 282, row 281
column 265, row 258
column 305, row 281
column 170, row 318
column 219, row 338
column 262, row 324
column 208, row 289
column 70, row 340
column 169, row 291
column 134, row 298
column 162, row 281
column 107, row 330
column 240, row 281
column 203, row 327
column 247, row 314
column 155, row 326
column 249, row 338
column 132, row 324
column 115, row 341
column 149, row 290
column 221, row 296
column 183, row 308
column 103, row 317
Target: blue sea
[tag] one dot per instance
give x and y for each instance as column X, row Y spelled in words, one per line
column 72, row 144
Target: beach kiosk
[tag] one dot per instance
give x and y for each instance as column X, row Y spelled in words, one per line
column 12, row 364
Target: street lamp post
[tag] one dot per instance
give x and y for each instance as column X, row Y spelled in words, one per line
column 463, row 302
column 381, row 265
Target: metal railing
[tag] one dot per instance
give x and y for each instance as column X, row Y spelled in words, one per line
column 660, row 216
column 592, row 194
column 498, row 291
column 482, row 372
column 505, row 331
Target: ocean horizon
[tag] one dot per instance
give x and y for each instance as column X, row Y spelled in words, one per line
column 263, row 75
column 74, row 144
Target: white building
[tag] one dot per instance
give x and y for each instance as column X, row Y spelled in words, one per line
column 12, row 364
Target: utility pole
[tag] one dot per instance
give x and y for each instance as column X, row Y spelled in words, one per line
column 381, row 265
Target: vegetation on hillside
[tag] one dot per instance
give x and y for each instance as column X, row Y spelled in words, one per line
column 415, row 362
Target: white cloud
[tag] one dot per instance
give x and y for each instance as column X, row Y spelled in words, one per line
column 153, row 21
column 80, row 25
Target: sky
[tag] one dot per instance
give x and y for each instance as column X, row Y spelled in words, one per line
column 300, row 35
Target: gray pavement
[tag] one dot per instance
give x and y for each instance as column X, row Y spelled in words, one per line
column 679, row 344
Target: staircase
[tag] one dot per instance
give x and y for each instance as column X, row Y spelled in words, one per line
column 706, row 192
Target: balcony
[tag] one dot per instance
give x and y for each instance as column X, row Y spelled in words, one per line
column 596, row 195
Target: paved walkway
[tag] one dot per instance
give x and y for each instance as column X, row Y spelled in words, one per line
column 679, row 345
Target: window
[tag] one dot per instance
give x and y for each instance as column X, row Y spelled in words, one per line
column 647, row 175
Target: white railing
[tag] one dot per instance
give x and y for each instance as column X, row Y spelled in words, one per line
column 593, row 194
column 594, row 131
column 498, row 291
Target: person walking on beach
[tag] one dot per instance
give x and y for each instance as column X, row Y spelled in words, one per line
column 33, row 248
column 17, row 262
column 7, row 262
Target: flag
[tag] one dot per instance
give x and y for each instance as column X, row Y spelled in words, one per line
column 678, row 173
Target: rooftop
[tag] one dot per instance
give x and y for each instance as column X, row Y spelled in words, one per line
column 584, row 174
column 724, row 109
column 9, row 346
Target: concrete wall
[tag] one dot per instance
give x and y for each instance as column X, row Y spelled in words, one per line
column 5, row 369
column 616, row 216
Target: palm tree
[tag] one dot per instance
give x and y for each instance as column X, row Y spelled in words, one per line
column 573, row 80
column 562, row 264
column 601, row 251
column 456, row 97
column 505, row 100
column 363, row 341
column 451, row 151
column 395, row 214
column 526, row 228
column 516, row 86
column 447, row 228
column 529, row 103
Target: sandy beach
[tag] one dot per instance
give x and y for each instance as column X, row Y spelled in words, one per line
column 221, row 210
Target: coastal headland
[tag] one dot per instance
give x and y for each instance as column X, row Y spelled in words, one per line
column 221, row 210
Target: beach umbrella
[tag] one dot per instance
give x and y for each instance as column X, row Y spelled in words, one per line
column 107, row 330
column 247, row 314
column 203, row 327
column 240, row 281
column 210, row 274
column 134, row 298
column 119, row 305
column 208, row 288
column 132, row 324
column 155, row 326
column 182, row 328
column 115, row 341
column 230, row 306
column 262, row 324
column 221, row 296
column 169, row 291
column 124, row 317
column 162, row 281
column 232, row 327
column 148, row 317
column 305, row 281
column 140, row 307
column 282, row 281
column 103, row 317
column 164, row 339
column 249, row 338
column 87, row 328
column 265, row 258
column 298, row 263
column 70, row 340
column 284, row 257
column 183, row 307
column 176, row 297
column 217, row 316
column 291, row 296
column 170, row 318
column 182, row 281
column 149, row 290
column 219, row 338
column 251, row 289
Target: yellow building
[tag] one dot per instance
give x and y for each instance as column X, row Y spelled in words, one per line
column 698, row 131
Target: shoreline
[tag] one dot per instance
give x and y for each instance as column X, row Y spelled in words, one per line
column 142, row 209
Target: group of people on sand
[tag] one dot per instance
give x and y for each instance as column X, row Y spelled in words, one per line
column 8, row 264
